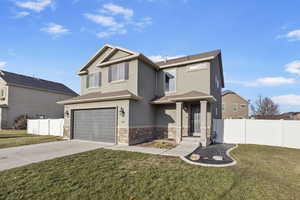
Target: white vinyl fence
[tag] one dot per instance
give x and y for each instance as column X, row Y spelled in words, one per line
column 283, row 133
column 45, row 126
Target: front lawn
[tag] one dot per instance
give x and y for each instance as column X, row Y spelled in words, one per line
column 12, row 138
column 161, row 144
column 262, row 173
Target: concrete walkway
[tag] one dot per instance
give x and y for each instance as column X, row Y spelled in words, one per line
column 27, row 154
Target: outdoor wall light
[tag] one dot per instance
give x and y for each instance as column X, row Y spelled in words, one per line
column 122, row 111
column 67, row 113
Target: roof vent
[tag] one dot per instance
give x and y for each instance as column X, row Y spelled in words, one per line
column 166, row 59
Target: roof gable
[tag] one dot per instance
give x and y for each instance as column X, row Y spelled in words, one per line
column 109, row 54
column 229, row 92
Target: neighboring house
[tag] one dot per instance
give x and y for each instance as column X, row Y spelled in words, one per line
column 234, row 106
column 127, row 98
column 24, row 95
column 284, row 116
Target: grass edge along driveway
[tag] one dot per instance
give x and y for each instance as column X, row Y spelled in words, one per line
column 13, row 138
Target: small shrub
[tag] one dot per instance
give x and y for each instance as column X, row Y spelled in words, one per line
column 21, row 122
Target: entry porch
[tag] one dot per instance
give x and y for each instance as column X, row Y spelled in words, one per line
column 192, row 117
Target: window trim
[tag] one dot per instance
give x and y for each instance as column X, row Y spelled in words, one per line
column 98, row 83
column 126, row 72
column 199, row 67
column 175, row 84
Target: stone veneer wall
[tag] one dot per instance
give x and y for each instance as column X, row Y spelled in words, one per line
column 123, row 136
column 144, row 134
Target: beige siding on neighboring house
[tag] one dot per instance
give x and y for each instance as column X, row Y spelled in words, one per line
column 33, row 102
column 232, row 101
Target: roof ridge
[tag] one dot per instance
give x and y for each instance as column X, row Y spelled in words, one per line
column 188, row 56
column 32, row 77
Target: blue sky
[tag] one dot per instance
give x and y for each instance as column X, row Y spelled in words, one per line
column 260, row 40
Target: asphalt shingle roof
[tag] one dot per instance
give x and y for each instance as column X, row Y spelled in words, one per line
column 189, row 58
column 27, row 81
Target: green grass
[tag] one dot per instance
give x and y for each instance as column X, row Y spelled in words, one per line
column 262, row 173
column 160, row 144
column 12, row 138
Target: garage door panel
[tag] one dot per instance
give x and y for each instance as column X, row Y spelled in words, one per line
column 95, row 125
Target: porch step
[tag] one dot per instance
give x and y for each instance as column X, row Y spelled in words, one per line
column 191, row 140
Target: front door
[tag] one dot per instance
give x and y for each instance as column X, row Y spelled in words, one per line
column 195, row 120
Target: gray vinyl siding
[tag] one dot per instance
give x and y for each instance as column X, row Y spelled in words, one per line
column 143, row 112
column 214, row 90
column 32, row 102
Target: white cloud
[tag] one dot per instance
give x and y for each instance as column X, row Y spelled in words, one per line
column 55, row 29
column 22, row 14
column 116, row 19
column 102, row 20
column 289, row 99
column 293, row 67
column 116, row 9
column 266, row 81
column 36, row 5
column 292, row 35
column 143, row 23
column 3, row 63
column 271, row 81
column 158, row 58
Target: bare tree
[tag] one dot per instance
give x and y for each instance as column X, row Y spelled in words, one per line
column 264, row 106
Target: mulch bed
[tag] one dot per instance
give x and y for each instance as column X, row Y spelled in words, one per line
column 207, row 153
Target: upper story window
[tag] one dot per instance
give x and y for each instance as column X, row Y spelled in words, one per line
column 2, row 93
column 198, row 66
column 223, row 107
column 235, row 107
column 94, row 80
column 243, row 105
column 170, row 80
column 118, row 72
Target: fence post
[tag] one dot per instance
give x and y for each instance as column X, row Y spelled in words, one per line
column 48, row 126
column 245, row 130
column 282, row 132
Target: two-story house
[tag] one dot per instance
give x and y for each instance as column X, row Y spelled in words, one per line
column 234, row 106
column 127, row 98
column 34, row 97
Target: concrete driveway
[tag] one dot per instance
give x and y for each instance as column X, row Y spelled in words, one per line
column 24, row 155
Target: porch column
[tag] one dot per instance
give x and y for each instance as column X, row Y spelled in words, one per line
column 203, row 123
column 178, row 122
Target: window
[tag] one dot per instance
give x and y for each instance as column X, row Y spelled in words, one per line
column 223, row 107
column 170, row 80
column 94, row 80
column 235, row 107
column 243, row 105
column 217, row 82
column 2, row 93
column 198, row 66
column 118, row 72
column 216, row 110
